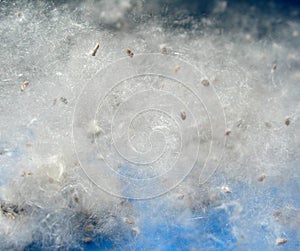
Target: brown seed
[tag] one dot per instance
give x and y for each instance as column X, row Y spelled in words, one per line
column 277, row 214
column 136, row 230
column 10, row 216
column 261, row 178
column 176, row 68
column 164, row 50
column 24, row 85
column 180, row 196
column 268, row 125
column 130, row 53
column 162, row 85
column 87, row 240
column 215, row 81
column 226, row 189
column 29, row 173
column 126, row 203
column 95, row 49
column 76, row 199
column 64, row 100
column 287, row 121
column 280, row 241
column 205, row 82
column 89, row 228
column 227, row 132
column 183, row 115
column 129, row 220
column 50, row 180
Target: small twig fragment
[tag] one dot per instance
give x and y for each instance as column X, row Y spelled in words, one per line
column 95, row 49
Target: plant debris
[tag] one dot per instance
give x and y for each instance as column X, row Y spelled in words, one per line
column 176, row 68
column 281, row 241
column 24, row 85
column 130, row 53
column 287, row 121
column 261, row 178
column 64, row 100
column 95, row 49
column 227, row 132
column 129, row 220
column 226, row 189
column 205, row 82
column 87, row 240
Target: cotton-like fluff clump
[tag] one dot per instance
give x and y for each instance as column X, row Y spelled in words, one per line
column 56, row 207
column 252, row 61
